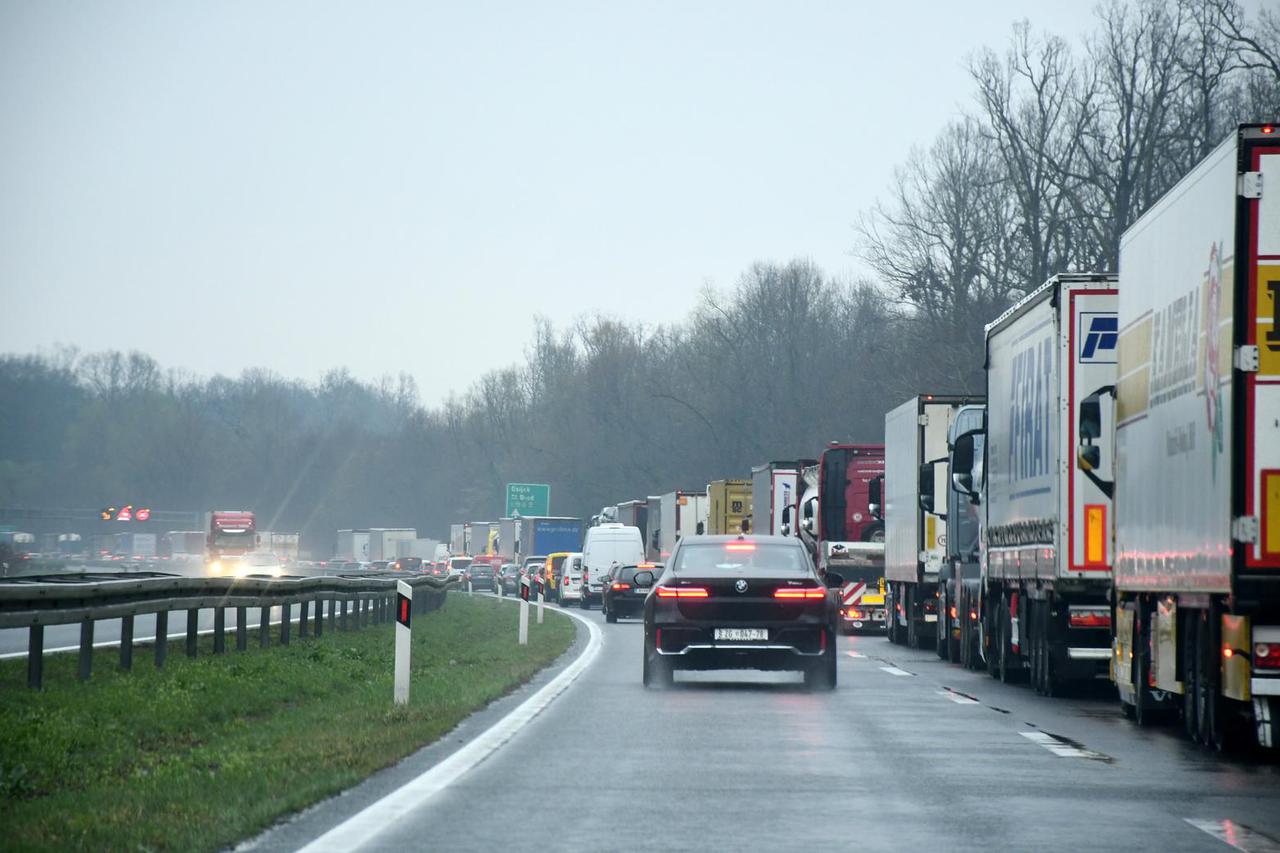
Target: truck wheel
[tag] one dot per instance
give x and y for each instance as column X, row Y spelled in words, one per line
column 1190, row 668
column 991, row 639
column 1033, row 644
column 1005, row 652
column 891, row 617
column 609, row 615
column 909, row 611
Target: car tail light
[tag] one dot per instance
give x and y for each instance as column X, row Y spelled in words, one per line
column 682, row 592
column 1266, row 655
column 1097, row 617
column 800, row 592
column 621, row 586
column 646, row 565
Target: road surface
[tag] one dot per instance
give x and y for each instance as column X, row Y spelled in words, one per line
column 908, row 753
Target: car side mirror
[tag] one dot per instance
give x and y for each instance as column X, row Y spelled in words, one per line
column 834, row 580
column 644, row 580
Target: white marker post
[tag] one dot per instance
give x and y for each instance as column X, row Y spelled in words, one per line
column 404, row 612
column 542, row 586
column 524, row 611
column 470, row 591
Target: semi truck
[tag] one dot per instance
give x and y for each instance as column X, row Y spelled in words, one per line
column 842, row 533
column 508, row 534
column 353, row 544
column 729, row 506
column 633, row 514
column 282, row 545
column 1196, row 420
column 457, row 538
column 774, row 487
column 543, row 535
column 1046, row 578
column 384, row 542
column 183, row 544
column 960, row 578
column 477, row 536
column 680, row 513
column 915, row 513
column 231, row 535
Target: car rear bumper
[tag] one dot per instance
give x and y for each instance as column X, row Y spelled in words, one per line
column 763, row 656
column 626, row 606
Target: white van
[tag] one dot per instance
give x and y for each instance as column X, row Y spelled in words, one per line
column 571, row 578
column 607, row 544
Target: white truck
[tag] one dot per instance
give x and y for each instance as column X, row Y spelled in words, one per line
column 1197, row 438
column 457, row 538
column 1046, row 570
column 915, row 513
column 384, row 541
column 680, row 514
column 353, row 544
column 774, row 489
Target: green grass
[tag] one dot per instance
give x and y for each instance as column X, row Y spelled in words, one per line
column 207, row 751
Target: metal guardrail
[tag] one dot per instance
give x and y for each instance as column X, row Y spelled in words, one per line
column 38, row 601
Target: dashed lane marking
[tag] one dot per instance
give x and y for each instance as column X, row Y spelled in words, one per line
column 958, row 698
column 1236, row 835
column 856, row 655
column 1062, row 747
column 893, row 670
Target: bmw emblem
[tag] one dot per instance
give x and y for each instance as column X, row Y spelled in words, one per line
column 741, row 585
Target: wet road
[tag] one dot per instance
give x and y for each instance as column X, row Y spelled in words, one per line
column 908, row 753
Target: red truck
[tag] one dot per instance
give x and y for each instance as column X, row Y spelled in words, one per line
column 232, row 534
column 840, row 523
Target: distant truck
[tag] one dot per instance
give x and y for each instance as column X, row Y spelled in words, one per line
column 838, row 526
column 729, row 506
column 915, row 513
column 1046, row 581
column 508, row 534
column 774, row 488
column 135, row 545
column 457, row 538
column 679, row 514
column 478, row 537
column 384, row 542
column 423, row 549
column 232, row 534
column 183, row 544
column 1197, row 449
column 959, row 628
column 353, row 544
column 282, row 545
column 543, row 535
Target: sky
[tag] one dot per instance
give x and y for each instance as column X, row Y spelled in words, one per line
column 402, row 187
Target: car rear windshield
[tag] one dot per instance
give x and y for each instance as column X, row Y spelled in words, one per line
column 734, row 557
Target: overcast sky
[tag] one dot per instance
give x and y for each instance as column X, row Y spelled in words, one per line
column 401, row 187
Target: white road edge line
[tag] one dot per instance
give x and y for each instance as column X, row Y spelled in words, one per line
column 362, row 827
column 893, row 670
column 1236, row 835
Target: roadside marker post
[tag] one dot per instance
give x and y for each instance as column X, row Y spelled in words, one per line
column 542, row 584
column 470, row 591
column 524, row 611
column 404, row 613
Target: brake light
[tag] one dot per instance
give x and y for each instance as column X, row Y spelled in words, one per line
column 854, row 613
column 645, row 565
column 973, row 615
column 953, row 612
column 1266, row 656
column 740, row 546
column 802, row 592
column 1097, row 618
column 682, row 592
column 621, row 586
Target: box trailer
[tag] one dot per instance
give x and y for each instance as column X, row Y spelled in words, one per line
column 353, row 544
column 728, row 506
column 681, row 513
column 914, row 510
column 1197, row 441
column 383, row 541
column 774, row 487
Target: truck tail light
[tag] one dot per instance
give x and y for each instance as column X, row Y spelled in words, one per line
column 805, row 592
column 1266, row 656
column 854, row 613
column 682, row 592
column 1095, row 617
column 953, row 611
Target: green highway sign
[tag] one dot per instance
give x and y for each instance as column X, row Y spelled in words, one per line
column 528, row 499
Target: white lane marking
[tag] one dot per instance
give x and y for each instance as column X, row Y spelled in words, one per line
column 1236, row 835
column 957, row 698
column 893, row 670
column 858, row 655
column 362, row 827
column 1060, row 748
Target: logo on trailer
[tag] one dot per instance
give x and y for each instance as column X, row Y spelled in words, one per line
column 1100, row 333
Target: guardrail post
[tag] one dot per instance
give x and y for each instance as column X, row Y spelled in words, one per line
column 542, row 596
column 333, row 614
column 358, row 616
column 86, row 649
column 162, row 637
column 286, row 611
column 343, row 621
column 302, row 618
column 219, row 630
column 264, row 627
column 35, row 656
column 193, row 626
column 319, row 623
column 242, row 628
column 126, row 642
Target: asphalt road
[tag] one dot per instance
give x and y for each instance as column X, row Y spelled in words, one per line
column 908, row 753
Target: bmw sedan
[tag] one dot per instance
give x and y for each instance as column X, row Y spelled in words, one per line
column 738, row 602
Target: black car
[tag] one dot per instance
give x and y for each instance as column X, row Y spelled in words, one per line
column 509, row 578
column 621, row 597
column 407, row 564
column 738, row 602
column 480, row 575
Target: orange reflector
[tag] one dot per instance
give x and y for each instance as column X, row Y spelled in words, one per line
column 1095, row 529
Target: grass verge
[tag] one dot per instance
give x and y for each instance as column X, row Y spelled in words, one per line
column 208, row 751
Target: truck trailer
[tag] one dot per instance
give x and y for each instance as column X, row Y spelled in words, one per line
column 680, row 513
column 1197, row 437
column 543, row 535
column 915, row 513
column 729, row 506
column 774, row 487
column 1046, row 578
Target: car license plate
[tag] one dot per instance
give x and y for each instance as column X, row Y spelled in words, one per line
column 741, row 634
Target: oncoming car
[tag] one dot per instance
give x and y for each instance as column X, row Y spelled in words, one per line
column 733, row 602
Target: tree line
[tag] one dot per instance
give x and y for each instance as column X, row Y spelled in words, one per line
column 1062, row 148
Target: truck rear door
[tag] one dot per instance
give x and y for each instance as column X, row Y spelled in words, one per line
column 1262, row 389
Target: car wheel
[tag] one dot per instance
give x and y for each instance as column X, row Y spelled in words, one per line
column 822, row 674
column 609, row 615
column 582, row 601
column 656, row 672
